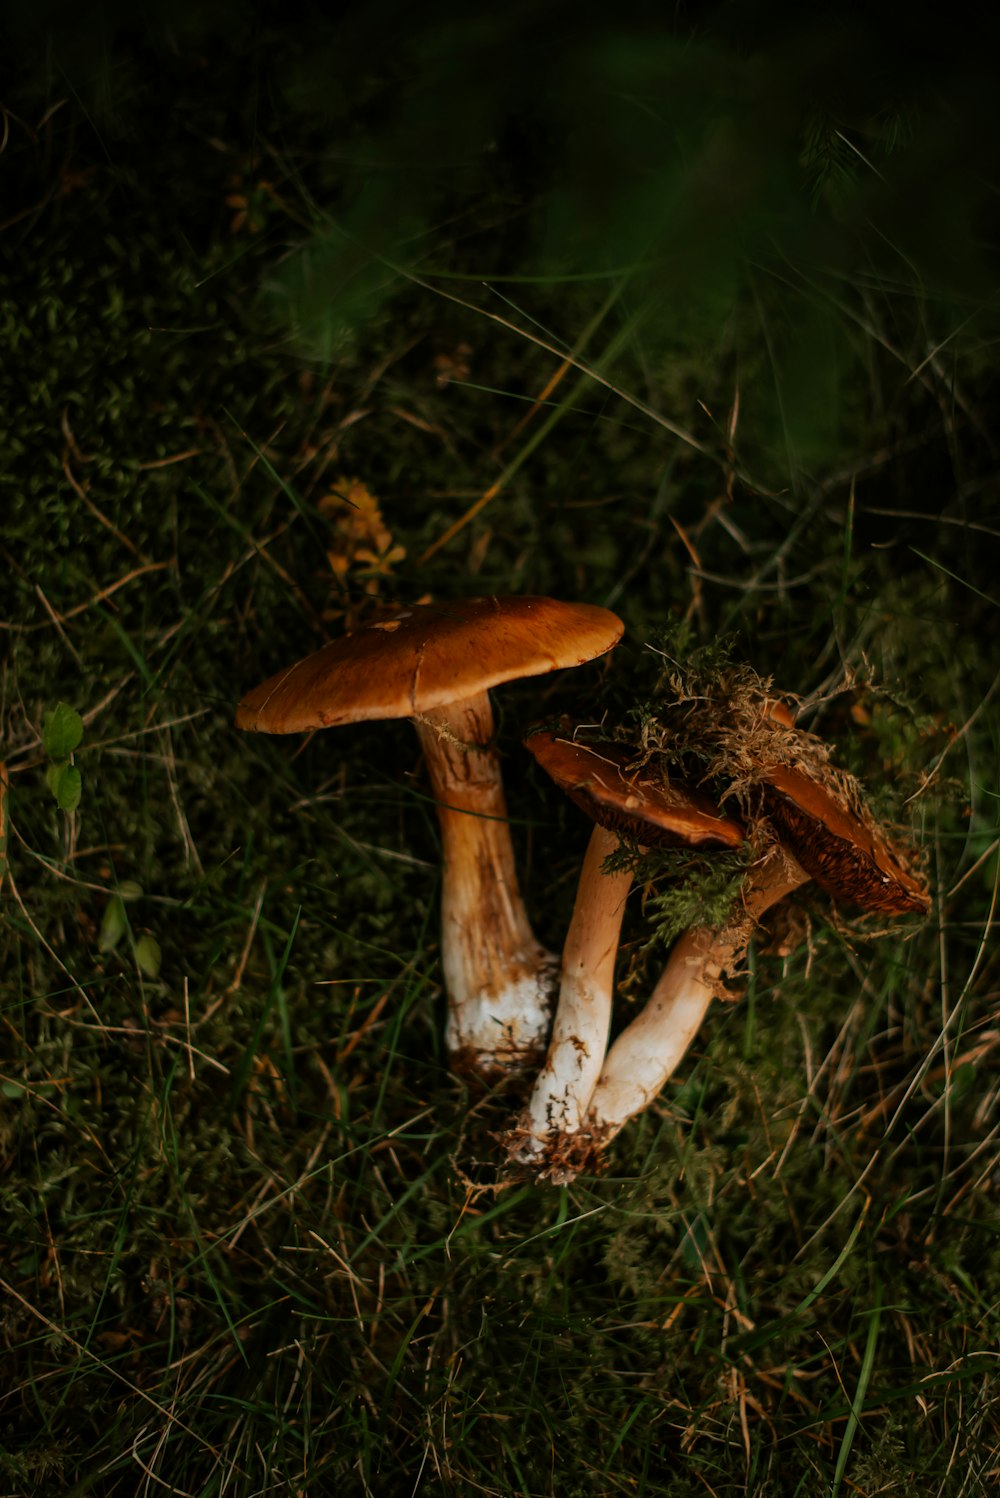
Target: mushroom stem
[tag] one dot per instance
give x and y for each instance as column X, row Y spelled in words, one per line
column 557, row 1107
column 650, row 1049
column 499, row 978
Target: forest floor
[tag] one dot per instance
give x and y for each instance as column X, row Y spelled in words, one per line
column 283, row 338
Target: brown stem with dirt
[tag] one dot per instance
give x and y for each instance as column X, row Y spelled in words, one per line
column 498, row 976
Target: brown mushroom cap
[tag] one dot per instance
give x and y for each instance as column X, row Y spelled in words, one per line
column 425, row 657
column 833, row 837
column 658, row 815
column 845, row 853
column 779, row 712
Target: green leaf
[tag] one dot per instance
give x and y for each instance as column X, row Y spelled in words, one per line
column 114, row 923
column 148, row 956
column 70, row 788
column 66, row 784
column 62, row 731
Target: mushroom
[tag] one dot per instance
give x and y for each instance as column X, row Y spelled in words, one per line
column 617, row 801
column 839, row 844
column 434, row 664
column 821, row 831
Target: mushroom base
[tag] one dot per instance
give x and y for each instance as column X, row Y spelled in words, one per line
column 491, row 1035
column 547, row 1132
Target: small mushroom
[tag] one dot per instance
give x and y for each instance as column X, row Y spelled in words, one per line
column 838, row 845
column 548, row 1132
column 434, row 664
column 822, row 832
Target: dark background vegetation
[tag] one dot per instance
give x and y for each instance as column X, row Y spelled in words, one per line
column 248, row 1244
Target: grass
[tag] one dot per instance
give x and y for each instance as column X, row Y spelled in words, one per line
column 250, row 1243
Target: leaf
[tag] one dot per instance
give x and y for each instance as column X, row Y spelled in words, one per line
column 148, row 956
column 70, row 788
column 115, row 922
column 66, row 784
column 62, row 731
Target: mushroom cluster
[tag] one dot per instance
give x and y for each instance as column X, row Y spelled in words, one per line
column 799, row 818
column 722, row 771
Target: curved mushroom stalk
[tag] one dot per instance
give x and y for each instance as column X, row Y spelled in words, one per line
column 651, row 1048
column 499, row 978
column 548, row 1132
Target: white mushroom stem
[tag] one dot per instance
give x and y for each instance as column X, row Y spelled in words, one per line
column 649, row 1050
column 498, row 977
column 557, row 1108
